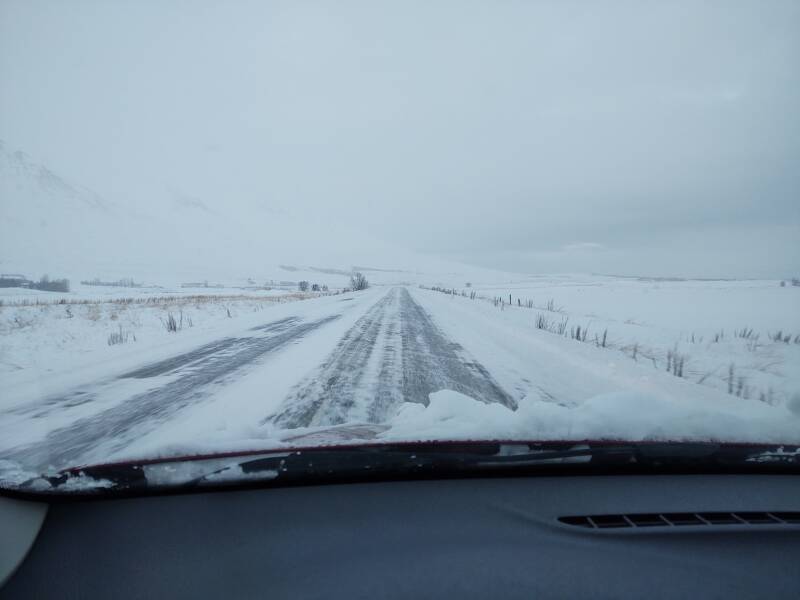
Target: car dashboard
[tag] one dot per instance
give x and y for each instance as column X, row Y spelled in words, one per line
column 655, row 536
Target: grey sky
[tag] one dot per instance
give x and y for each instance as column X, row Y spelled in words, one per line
column 624, row 137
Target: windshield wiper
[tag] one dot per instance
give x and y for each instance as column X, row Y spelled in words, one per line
column 426, row 461
column 431, row 460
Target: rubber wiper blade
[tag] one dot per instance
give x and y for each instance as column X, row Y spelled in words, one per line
column 332, row 464
column 430, row 458
column 580, row 453
column 427, row 458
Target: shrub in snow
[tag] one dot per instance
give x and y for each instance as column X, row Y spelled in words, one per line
column 119, row 337
column 785, row 338
column 553, row 307
column 576, row 333
column 358, row 281
column 561, row 326
column 171, row 324
column 675, row 362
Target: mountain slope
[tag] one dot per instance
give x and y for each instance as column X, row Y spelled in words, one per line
column 47, row 222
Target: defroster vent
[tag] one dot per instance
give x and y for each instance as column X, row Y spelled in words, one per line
column 682, row 519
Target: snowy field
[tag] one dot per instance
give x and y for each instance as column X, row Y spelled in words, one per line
column 738, row 336
column 93, row 377
column 48, row 340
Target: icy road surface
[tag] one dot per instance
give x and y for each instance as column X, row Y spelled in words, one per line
column 393, row 353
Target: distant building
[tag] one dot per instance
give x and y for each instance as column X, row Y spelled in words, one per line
column 8, row 280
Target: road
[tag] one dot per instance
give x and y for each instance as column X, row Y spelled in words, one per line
column 393, row 353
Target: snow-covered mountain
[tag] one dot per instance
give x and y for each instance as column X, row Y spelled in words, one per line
column 19, row 175
column 49, row 224
column 46, row 221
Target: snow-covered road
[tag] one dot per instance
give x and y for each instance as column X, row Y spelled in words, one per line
column 390, row 363
column 393, row 353
column 187, row 379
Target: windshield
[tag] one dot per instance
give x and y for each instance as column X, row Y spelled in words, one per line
column 238, row 227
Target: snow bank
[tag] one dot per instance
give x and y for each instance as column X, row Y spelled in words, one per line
column 632, row 416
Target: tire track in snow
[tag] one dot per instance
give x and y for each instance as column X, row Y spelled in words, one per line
column 84, row 395
column 393, row 354
column 432, row 362
column 171, row 364
column 193, row 373
column 332, row 394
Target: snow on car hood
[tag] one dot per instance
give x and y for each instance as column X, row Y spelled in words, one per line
column 631, row 416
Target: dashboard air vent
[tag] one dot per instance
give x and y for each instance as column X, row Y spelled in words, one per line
column 682, row 519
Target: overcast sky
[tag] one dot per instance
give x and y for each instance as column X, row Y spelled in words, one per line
column 619, row 137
